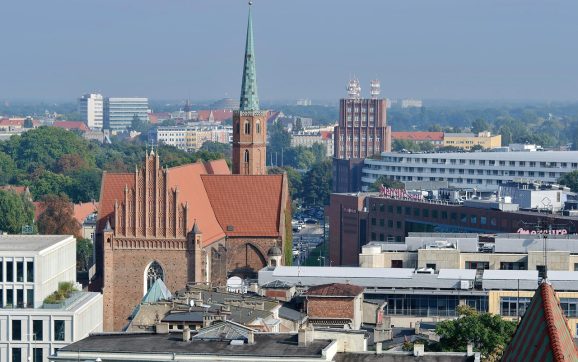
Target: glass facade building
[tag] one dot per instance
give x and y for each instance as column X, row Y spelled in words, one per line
column 119, row 113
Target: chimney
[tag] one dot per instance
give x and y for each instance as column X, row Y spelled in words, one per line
column 162, row 328
column 305, row 336
column 251, row 337
column 186, row 334
column 378, row 348
column 418, row 349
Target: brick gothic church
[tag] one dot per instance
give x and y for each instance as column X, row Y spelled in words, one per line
column 191, row 223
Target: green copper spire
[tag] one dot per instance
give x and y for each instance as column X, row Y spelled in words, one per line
column 249, row 97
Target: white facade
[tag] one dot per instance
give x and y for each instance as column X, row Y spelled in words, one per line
column 307, row 139
column 120, row 112
column 31, row 268
column 91, row 109
column 191, row 138
column 411, row 103
column 485, row 171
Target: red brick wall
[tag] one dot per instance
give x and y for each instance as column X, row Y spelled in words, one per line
column 330, row 307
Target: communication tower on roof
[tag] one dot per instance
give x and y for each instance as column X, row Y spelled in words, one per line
column 354, row 89
column 375, row 89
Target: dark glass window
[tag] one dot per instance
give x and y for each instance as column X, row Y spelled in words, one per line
column 16, row 330
column 59, row 330
column 19, row 271
column 38, row 355
column 30, row 271
column 37, row 330
column 16, row 354
column 9, row 271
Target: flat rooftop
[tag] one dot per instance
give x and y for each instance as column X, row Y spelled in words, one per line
column 29, row 242
column 266, row 345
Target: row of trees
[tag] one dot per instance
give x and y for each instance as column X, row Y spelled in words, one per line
column 53, row 161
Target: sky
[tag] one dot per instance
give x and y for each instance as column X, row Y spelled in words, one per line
column 179, row 49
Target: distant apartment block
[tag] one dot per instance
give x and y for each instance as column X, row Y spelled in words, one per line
column 411, row 103
column 119, row 113
column 461, row 140
column 362, row 132
column 31, row 268
column 303, row 102
column 91, row 109
column 435, row 138
column 485, row 171
column 469, row 140
column 189, row 138
column 308, row 139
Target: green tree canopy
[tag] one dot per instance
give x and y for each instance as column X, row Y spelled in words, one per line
column 479, row 125
column 294, row 178
column 487, row 332
column 15, row 211
column 8, row 169
column 386, row 182
column 571, row 180
column 317, row 184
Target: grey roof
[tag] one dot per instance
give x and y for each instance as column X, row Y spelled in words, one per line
column 291, row 314
column 224, row 330
column 277, row 284
column 402, row 357
column 468, row 274
column 546, row 156
column 343, row 272
column 511, row 274
column 29, row 242
column 196, row 316
column 274, row 345
column 274, row 251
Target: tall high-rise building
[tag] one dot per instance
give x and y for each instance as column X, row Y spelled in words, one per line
column 249, row 122
column 119, row 113
column 361, row 133
column 90, row 107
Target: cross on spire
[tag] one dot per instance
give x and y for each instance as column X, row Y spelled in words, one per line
column 249, row 97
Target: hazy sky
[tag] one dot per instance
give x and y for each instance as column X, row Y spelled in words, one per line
column 174, row 49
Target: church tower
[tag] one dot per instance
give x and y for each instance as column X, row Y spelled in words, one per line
column 249, row 123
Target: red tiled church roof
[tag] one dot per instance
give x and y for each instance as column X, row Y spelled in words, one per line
column 246, row 205
column 69, row 125
column 543, row 334
column 215, row 199
column 218, row 115
column 418, row 136
column 335, row 290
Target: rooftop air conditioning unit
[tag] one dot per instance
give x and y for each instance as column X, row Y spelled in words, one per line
column 464, row 284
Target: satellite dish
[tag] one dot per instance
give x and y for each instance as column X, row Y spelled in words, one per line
column 192, row 303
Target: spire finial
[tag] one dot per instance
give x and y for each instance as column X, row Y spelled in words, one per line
column 249, row 98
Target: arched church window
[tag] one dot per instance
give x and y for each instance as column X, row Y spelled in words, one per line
column 154, row 272
column 247, row 127
column 246, row 157
column 258, row 127
column 238, row 128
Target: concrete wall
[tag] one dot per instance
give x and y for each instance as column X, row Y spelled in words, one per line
column 442, row 258
column 557, row 260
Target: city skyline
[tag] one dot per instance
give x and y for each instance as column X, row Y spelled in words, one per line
column 442, row 50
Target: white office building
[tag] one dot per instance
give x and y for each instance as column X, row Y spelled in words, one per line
column 31, row 269
column 91, row 109
column 119, row 113
column 484, row 171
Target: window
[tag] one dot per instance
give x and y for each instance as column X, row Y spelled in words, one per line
column 30, row 298
column 541, row 271
column 512, row 266
column 416, row 212
column 513, row 306
column 473, row 219
column 381, row 237
column 430, row 266
column 37, row 330
column 425, row 213
column 390, row 209
column 19, row 302
column 483, row 220
column 478, row 265
column 246, row 156
column 397, row 263
column 238, row 128
column 390, row 223
column 153, row 273
column 9, row 271
column 10, row 298
column 575, row 266
column 37, row 356
column 16, row 330
column 398, row 224
column 373, row 221
column 19, row 271
column 569, row 306
column 258, row 127
column 434, row 214
column 59, row 330
column 16, row 354
column 247, row 127
column 381, row 222
column 373, row 236
column 444, row 215
column 30, row 271
column 381, row 208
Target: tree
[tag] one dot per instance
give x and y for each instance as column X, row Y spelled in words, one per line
column 279, row 140
column 7, row 169
column 298, row 125
column 138, row 125
column 317, row 184
column 571, row 180
column 50, row 183
column 84, row 251
column 479, row 125
column 223, row 149
column 319, row 151
column 299, row 157
column 294, row 178
column 477, row 148
column 386, row 182
column 85, row 185
column 58, row 217
column 15, row 211
column 487, row 332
